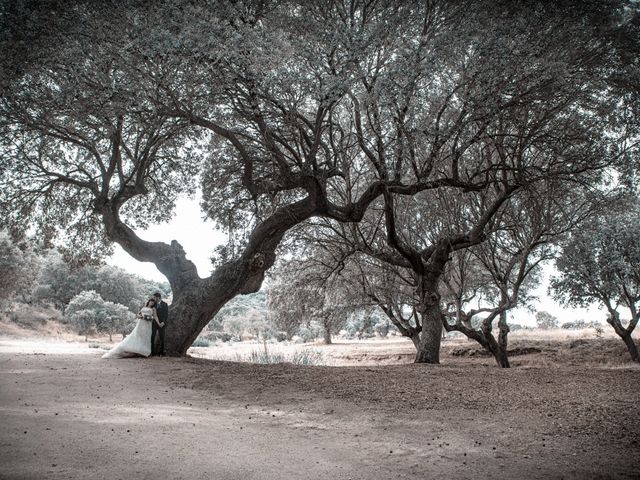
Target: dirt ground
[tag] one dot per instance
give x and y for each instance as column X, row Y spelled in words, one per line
column 66, row 413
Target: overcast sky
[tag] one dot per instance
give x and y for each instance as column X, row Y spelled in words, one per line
column 199, row 238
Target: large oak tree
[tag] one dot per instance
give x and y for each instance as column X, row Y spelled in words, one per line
column 282, row 111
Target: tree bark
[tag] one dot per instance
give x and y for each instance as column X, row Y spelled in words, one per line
column 428, row 348
column 625, row 334
column 499, row 353
column 631, row 346
column 327, row 335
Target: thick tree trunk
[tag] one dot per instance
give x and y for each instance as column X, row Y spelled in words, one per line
column 327, row 335
column 195, row 300
column 631, row 346
column 428, row 348
column 196, row 303
column 499, row 353
column 625, row 334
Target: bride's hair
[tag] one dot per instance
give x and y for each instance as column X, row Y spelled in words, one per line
column 150, row 301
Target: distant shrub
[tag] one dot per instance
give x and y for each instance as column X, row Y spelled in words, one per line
column 201, row 342
column 261, row 356
column 382, row 327
column 29, row 318
column 221, row 336
column 516, row 326
column 308, row 333
column 307, row 357
column 580, row 324
column 304, row 334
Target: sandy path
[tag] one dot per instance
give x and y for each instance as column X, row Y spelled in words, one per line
column 76, row 418
column 80, row 417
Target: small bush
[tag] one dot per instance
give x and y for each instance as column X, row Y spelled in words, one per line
column 28, row 317
column 307, row 357
column 263, row 356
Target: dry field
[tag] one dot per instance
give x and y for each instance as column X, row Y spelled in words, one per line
column 567, row 410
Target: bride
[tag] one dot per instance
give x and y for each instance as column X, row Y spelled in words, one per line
column 138, row 342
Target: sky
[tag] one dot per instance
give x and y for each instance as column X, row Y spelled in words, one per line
column 199, row 238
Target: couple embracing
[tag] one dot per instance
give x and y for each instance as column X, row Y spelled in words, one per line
column 152, row 320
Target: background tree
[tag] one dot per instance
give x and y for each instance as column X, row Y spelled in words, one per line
column 368, row 322
column 89, row 313
column 244, row 314
column 59, row 281
column 546, row 321
column 285, row 111
column 19, row 268
column 284, row 310
column 601, row 263
column 494, row 277
column 306, row 292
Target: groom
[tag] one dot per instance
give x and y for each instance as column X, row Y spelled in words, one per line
column 163, row 314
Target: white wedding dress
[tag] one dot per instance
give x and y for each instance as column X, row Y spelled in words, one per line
column 138, row 342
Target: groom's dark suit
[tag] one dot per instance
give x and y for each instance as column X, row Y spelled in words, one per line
column 162, row 309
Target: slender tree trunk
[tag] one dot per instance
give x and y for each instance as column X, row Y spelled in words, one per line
column 503, row 341
column 403, row 326
column 428, row 348
column 497, row 348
